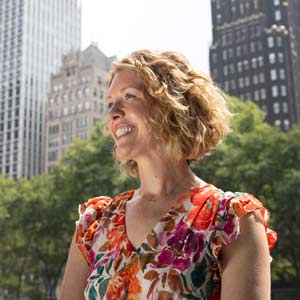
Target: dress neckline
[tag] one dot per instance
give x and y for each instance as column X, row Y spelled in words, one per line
column 182, row 198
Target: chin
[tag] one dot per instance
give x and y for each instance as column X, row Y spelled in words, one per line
column 122, row 155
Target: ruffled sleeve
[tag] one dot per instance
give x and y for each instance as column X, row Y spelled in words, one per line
column 232, row 207
column 90, row 214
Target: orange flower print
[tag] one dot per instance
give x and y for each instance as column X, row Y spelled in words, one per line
column 125, row 280
column 202, row 216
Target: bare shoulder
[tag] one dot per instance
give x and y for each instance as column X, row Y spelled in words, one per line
column 246, row 262
column 75, row 275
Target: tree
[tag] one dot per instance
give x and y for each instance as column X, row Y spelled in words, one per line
column 262, row 160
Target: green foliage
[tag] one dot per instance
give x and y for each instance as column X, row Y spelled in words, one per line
column 263, row 160
column 37, row 217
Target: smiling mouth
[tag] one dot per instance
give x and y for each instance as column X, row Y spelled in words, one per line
column 123, row 131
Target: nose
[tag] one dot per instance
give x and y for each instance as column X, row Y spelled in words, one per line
column 116, row 111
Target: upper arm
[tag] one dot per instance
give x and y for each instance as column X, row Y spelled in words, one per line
column 246, row 263
column 74, row 280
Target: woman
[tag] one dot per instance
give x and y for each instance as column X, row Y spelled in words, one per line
column 176, row 236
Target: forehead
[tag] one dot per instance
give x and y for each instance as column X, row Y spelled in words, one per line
column 124, row 79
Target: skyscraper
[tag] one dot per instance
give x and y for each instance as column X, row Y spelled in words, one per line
column 76, row 100
column 34, row 35
column 255, row 54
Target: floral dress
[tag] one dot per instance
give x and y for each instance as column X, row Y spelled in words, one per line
column 179, row 259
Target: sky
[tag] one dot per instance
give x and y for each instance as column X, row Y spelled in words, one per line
column 121, row 26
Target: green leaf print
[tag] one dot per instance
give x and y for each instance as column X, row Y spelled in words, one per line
column 198, row 275
column 103, row 287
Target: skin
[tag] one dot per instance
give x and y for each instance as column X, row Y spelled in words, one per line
column 246, row 264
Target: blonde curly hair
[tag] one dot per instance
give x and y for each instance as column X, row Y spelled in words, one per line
column 187, row 113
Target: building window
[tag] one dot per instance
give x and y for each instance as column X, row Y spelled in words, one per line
column 276, row 2
column 263, row 94
column 260, row 61
column 255, row 79
column 224, row 54
column 53, row 129
column 101, row 107
column 252, row 47
column 226, row 86
column 285, row 107
column 246, row 64
column 233, row 85
column 276, row 108
column 237, row 35
column 65, row 97
column 86, row 91
column 273, row 74
column 262, row 77
column 282, row 74
column 254, row 62
column 225, row 70
column 256, row 95
column 272, row 58
column 277, row 123
column 247, row 81
column 240, row 66
column 279, row 41
column 286, row 124
column 241, row 82
column 232, row 69
column 270, row 42
column 67, row 139
column 242, row 8
column 233, row 10
column 215, row 58
column 81, row 122
column 274, row 91
column 65, row 111
column 53, row 155
column 53, row 142
column 283, row 90
column 238, row 51
column 87, row 105
column 67, row 126
column 277, row 15
column 72, row 96
column 280, row 57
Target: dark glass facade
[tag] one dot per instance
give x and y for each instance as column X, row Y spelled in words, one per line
column 255, row 55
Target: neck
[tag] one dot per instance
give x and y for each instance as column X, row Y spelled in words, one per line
column 160, row 178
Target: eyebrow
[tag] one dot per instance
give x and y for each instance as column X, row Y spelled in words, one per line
column 125, row 88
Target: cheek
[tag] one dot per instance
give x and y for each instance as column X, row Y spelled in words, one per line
column 108, row 129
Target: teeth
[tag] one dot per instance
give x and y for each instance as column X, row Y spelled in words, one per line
column 122, row 131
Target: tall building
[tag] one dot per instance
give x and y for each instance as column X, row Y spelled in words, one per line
column 255, row 54
column 34, row 34
column 76, row 100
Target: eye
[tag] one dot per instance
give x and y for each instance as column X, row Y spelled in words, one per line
column 109, row 105
column 129, row 96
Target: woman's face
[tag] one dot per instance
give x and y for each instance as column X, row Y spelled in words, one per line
column 127, row 115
